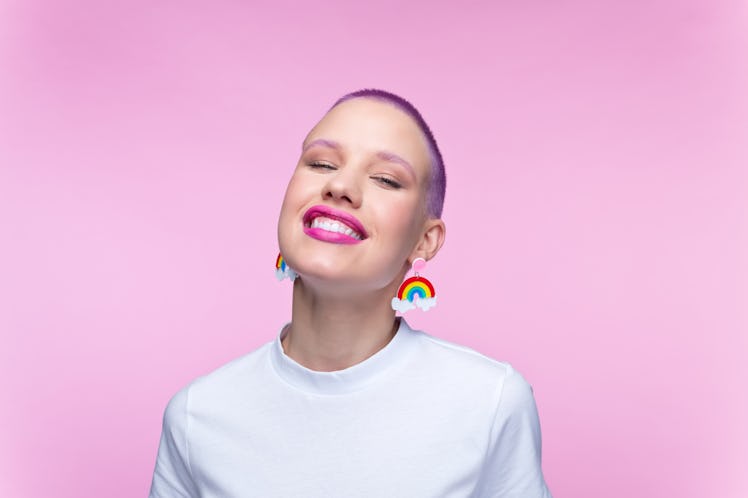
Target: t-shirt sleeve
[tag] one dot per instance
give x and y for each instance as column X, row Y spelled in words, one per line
column 172, row 476
column 513, row 464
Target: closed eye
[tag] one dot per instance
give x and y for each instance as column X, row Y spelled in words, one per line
column 389, row 182
column 321, row 165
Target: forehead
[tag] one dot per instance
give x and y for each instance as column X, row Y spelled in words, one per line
column 365, row 125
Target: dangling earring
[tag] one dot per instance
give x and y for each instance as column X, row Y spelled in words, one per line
column 415, row 291
column 282, row 270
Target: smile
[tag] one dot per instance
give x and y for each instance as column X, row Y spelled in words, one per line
column 331, row 225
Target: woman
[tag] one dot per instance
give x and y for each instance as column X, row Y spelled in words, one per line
column 348, row 401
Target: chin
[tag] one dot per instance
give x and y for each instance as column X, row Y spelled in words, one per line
column 319, row 267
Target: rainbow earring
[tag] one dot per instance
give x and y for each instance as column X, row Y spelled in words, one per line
column 282, row 270
column 415, row 291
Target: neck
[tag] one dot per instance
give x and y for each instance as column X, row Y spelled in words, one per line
column 329, row 333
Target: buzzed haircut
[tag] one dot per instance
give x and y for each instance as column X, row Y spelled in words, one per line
column 437, row 186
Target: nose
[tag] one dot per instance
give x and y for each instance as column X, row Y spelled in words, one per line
column 343, row 186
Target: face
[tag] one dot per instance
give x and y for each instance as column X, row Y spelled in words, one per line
column 355, row 207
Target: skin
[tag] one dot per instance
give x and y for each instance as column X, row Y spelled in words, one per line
column 341, row 311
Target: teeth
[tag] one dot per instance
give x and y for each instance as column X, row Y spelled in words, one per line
column 334, row 226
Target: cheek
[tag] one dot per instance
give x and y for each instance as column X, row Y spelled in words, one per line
column 290, row 203
column 295, row 192
column 401, row 219
column 292, row 188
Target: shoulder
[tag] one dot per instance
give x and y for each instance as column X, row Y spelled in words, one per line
column 455, row 357
column 475, row 371
column 218, row 386
column 235, row 370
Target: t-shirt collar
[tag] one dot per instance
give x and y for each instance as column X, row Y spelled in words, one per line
column 349, row 379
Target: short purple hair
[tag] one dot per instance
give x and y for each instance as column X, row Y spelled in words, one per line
column 437, row 186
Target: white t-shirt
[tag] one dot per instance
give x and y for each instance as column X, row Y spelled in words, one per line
column 420, row 418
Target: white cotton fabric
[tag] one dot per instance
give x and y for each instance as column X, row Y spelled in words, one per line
column 420, row 418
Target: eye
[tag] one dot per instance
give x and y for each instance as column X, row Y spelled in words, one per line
column 389, row 182
column 321, row 165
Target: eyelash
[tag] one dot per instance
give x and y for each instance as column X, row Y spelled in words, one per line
column 319, row 165
column 388, row 181
column 381, row 179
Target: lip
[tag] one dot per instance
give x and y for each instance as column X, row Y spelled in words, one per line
column 334, row 214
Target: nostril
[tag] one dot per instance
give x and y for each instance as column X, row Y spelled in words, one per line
column 333, row 195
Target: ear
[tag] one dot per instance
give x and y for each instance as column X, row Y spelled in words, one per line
column 431, row 240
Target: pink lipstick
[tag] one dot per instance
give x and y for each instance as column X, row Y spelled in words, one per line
column 332, row 225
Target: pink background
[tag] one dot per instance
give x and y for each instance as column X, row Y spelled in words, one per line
column 596, row 212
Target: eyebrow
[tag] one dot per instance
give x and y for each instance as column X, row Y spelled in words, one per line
column 321, row 141
column 394, row 158
column 383, row 155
